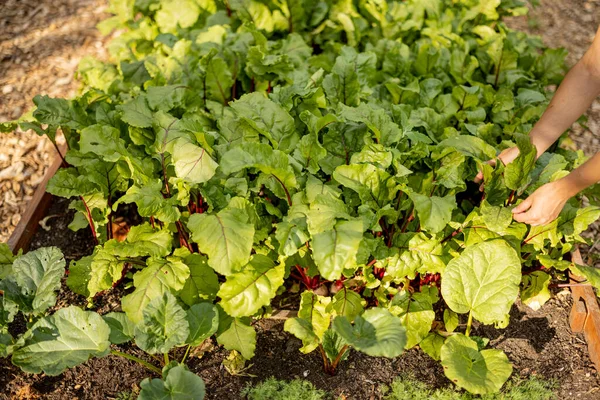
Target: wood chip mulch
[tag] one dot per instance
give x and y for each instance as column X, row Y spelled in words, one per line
column 41, row 44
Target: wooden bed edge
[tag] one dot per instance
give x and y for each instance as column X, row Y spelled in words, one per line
column 585, row 314
column 35, row 211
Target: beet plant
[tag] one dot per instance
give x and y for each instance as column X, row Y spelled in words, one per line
column 329, row 144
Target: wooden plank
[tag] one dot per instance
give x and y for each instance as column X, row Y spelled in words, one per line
column 36, row 210
column 585, row 314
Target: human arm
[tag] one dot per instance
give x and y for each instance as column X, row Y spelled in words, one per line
column 573, row 97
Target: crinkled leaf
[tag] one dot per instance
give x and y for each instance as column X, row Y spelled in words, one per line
column 245, row 292
column 164, row 325
column 179, row 384
column 479, row 372
column 34, row 280
column 226, row 237
column 483, row 280
column 203, row 322
column 63, row 340
column 376, row 333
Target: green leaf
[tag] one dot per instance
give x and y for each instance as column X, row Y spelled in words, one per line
column 164, row 325
column 226, row 237
column 60, row 112
column 434, row 212
column 160, row 276
column 245, row 292
column 535, row 291
column 450, row 320
column 273, row 163
column 240, row 337
column 470, row 146
column 137, row 112
column 34, row 280
column 165, row 98
column 479, row 372
column 135, row 72
column 432, row 345
column 192, row 163
column 68, row 182
column 203, row 283
column 378, row 121
column 376, row 333
column 483, row 280
column 6, row 260
column 303, row 330
column 346, row 303
column 374, row 185
column 335, row 251
column 151, row 203
column 218, row 81
column 179, row 384
column 516, row 174
column 69, row 337
column 142, row 240
column 268, row 119
column 104, row 141
column 203, row 322
column 122, row 330
column 416, row 314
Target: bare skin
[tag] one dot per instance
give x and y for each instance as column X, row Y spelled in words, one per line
column 574, row 96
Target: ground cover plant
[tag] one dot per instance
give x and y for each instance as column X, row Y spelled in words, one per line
column 327, row 144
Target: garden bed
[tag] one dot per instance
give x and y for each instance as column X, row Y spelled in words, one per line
column 539, row 343
column 383, row 217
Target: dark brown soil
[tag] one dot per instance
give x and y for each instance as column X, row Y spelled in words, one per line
column 537, row 342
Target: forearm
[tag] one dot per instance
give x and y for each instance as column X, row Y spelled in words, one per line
column 581, row 178
column 573, row 97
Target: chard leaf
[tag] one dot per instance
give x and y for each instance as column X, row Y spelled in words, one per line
column 122, row 330
column 203, row 283
column 479, row 372
column 192, row 163
column 226, row 237
column 63, row 340
column 335, row 251
column 203, row 322
column 268, row 119
column 376, row 333
column 245, row 292
column 434, row 212
column 535, row 291
column 303, row 330
column 347, row 303
column 160, row 276
column 273, row 163
column 483, row 280
column 6, row 260
column 178, row 384
column 34, row 280
column 374, row 185
column 142, row 240
column 151, row 203
column 516, row 174
column 416, row 314
column 239, row 336
column 60, row 112
column 164, row 325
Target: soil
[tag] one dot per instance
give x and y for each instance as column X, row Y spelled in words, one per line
column 539, row 343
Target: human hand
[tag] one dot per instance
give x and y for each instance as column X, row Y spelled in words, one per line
column 543, row 206
column 506, row 156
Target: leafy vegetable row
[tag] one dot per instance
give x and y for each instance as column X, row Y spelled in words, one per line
column 327, row 144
